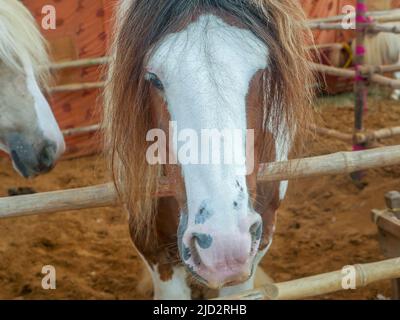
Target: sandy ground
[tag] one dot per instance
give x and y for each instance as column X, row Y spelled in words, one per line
column 323, row 225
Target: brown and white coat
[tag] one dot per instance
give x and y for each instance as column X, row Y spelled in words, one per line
column 205, row 65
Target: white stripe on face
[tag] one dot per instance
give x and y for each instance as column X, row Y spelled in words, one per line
column 47, row 122
column 206, row 71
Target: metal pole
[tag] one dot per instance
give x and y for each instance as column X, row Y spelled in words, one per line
column 360, row 86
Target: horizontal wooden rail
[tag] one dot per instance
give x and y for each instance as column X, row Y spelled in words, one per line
column 334, row 134
column 361, row 137
column 57, row 201
column 378, row 134
column 340, row 72
column 76, row 87
column 370, row 27
column 105, row 195
column 323, row 283
column 326, row 25
column 376, row 27
column 347, row 73
column 81, row 130
column 90, row 62
column 394, row 17
column 385, row 81
column 333, row 45
column 382, row 69
column 381, row 16
column 337, row 163
column 379, row 22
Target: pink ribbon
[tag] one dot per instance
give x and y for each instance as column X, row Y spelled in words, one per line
column 361, row 11
column 358, row 148
column 361, row 7
column 363, row 19
column 360, row 50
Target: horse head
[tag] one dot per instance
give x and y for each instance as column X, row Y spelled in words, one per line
column 207, row 65
column 29, row 132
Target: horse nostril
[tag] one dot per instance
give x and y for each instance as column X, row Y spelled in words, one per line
column 256, row 230
column 197, row 242
column 46, row 158
column 19, row 164
column 204, row 241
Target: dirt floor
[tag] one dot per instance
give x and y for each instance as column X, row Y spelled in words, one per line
column 324, row 224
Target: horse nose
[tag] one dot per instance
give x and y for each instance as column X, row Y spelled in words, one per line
column 256, row 228
column 46, row 158
column 223, row 258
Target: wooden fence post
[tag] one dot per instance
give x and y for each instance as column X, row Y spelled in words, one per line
column 388, row 222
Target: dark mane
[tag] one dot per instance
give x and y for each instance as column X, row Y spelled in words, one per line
column 141, row 25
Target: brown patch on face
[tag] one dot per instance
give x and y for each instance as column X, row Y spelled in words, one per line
column 255, row 116
column 265, row 195
column 161, row 119
column 163, row 251
column 267, row 204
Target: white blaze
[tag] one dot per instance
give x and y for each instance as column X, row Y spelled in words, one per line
column 47, row 122
column 206, row 70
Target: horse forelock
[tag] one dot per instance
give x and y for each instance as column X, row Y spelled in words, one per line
column 140, row 28
column 21, row 43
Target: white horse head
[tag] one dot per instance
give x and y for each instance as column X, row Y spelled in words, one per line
column 29, row 132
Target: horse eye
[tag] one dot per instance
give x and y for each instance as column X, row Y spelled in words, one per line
column 155, row 81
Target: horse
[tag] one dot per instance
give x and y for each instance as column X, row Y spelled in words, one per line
column 29, row 132
column 383, row 48
column 204, row 64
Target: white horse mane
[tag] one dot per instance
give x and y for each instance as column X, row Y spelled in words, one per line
column 21, row 43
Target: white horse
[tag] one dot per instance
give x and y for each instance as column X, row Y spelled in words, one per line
column 29, row 132
column 383, row 49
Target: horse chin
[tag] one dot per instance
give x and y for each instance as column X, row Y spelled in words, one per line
column 229, row 278
column 234, row 281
